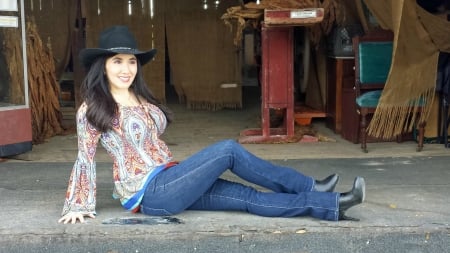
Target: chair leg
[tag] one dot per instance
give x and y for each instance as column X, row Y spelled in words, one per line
column 446, row 125
column 363, row 133
column 441, row 122
column 399, row 138
column 421, row 136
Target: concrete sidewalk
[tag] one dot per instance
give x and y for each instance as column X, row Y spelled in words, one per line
column 406, row 210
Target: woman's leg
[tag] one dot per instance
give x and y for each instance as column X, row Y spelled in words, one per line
column 176, row 189
column 226, row 195
column 256, row 170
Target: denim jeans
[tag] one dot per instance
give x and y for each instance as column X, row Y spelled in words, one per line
column 195, row 184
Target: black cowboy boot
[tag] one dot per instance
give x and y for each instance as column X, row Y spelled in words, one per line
column 354, row 197
column 328, row 184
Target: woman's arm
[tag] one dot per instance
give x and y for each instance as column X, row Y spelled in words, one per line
column 81, row 192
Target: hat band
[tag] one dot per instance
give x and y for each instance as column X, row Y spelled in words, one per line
column 121, row 48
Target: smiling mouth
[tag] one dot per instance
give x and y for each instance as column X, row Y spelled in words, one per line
column 124, row 79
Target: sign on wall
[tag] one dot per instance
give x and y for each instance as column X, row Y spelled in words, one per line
column 8, row 5
column 9, row 21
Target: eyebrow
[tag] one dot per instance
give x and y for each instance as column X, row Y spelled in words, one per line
column 121, row 58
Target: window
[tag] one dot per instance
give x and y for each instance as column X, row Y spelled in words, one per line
column 13, row 90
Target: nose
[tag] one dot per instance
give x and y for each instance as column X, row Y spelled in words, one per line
column 126, row 67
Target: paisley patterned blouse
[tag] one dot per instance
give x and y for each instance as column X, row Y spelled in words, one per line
column 134, row 146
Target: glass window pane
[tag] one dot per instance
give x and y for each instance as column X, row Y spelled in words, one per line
column 12, row 87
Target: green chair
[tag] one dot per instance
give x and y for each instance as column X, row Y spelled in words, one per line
column 373, row 56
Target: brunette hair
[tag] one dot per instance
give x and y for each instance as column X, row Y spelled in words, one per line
column 101, row 106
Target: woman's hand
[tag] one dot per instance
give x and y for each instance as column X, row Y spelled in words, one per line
column 72, row 217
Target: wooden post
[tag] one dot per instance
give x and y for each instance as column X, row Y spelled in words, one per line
column 78, row 43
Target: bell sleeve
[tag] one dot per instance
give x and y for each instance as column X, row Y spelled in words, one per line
column 81, row 191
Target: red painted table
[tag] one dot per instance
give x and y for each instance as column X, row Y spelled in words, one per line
column 277, row 72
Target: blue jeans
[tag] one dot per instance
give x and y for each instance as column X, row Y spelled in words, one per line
column 195, row 184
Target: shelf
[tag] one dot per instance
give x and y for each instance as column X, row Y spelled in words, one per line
column 303, row 115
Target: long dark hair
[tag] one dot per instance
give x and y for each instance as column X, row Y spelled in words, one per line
column 101, row 106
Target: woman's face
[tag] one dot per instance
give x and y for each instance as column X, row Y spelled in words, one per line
column 121, row 70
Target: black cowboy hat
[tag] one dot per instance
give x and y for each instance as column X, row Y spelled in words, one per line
column 116, row 40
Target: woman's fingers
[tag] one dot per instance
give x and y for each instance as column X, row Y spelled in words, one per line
column 79, row 217
column 73, row 217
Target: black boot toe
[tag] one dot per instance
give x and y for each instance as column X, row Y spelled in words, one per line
column 354, row 197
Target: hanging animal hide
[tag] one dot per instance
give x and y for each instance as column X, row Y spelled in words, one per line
column 418, row 38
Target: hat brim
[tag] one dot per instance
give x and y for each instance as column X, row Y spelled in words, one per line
column 88, row 55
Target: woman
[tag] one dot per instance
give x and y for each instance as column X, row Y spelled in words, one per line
column 120, row 112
